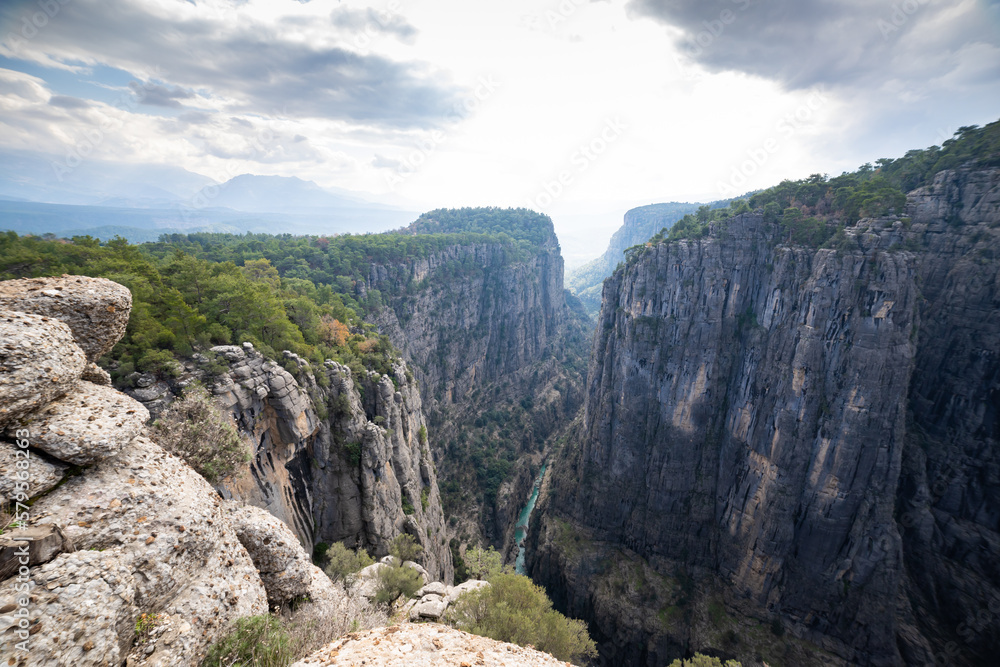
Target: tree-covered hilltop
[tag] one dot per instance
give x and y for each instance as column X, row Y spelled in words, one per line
column 280, row 292
column 811, row 211
column 183, row 303
column 520, row 224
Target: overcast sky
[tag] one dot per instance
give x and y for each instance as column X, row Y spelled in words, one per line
column 565, row 106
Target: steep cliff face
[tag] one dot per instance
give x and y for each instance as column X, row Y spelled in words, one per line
column 335, row 459
column 949, row 494
column 745, row 437
column 639, row 225
column 498, row 352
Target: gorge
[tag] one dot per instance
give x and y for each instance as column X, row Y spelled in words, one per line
column 775, row 444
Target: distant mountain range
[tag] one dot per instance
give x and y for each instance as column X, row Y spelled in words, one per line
column 140, row 202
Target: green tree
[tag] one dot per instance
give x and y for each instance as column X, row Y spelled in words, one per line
column 513, row 609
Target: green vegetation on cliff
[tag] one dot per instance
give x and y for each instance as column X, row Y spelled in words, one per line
column 811, row 211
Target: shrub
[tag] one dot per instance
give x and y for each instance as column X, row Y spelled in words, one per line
column 253, row 641
column 397, row 580
column 194, row 429
column 484, row 563
column 700, row 660
column 344, row 562
column 312, row 627
column 513, row 609
column 405, row 547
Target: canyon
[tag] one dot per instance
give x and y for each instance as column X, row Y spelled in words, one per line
column 788, row 454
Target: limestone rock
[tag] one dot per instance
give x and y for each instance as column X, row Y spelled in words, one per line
column 42, row 473
column 454, row 592
column 39, row 362
column 151, row 536
column 284, row 566
column 87, row 426
column 435, row 588
column 96, row 309
column 425, row 645
column 94, row 373
column 41, row 543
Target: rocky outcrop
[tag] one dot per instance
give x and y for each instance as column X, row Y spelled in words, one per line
column 335, row 457
column 137, row 534
column 95, row 309
column 39, row 362
column 639, row 225
column 425, row 645
column 802, row 437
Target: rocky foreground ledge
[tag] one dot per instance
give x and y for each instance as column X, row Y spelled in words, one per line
column 425, row 645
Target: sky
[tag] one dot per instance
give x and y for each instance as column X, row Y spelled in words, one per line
column 577, row 108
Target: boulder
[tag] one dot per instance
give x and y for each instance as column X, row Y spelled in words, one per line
column 40, row 543
column 366, row 580
column 152, row 537
column 419, row 568
column 471, row 585
column 90, row 425
column 433, row 588
column 285, row 568
column 39, row 362
column 431, row 610
column 95, row 309
column 42, row 472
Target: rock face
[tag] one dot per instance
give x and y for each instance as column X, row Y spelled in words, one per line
column 96, row 309
column 91, row 424
column 138, row 532
column 745, row 444
column 39, row 362
column 639, row 225
column 333, row 458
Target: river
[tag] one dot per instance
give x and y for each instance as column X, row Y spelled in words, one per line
column 521, row 529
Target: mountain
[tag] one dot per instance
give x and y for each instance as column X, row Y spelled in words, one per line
column 39, row 195
column 788, row 446
column 639, row 225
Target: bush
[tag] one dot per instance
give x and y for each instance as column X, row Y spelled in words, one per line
column 397, row 580
column 513, row 609
column 253, row 641
column 344, row 562
column 484, row 563
column 405, row 547
column 194, row 429
column 311, row 626
column 700, row 660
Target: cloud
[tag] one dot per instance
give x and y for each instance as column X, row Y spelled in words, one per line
column 67, row 102
column 830, row 43
column 242, row 64
column 370, row 21
column 160, row 96
column 382, row 162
